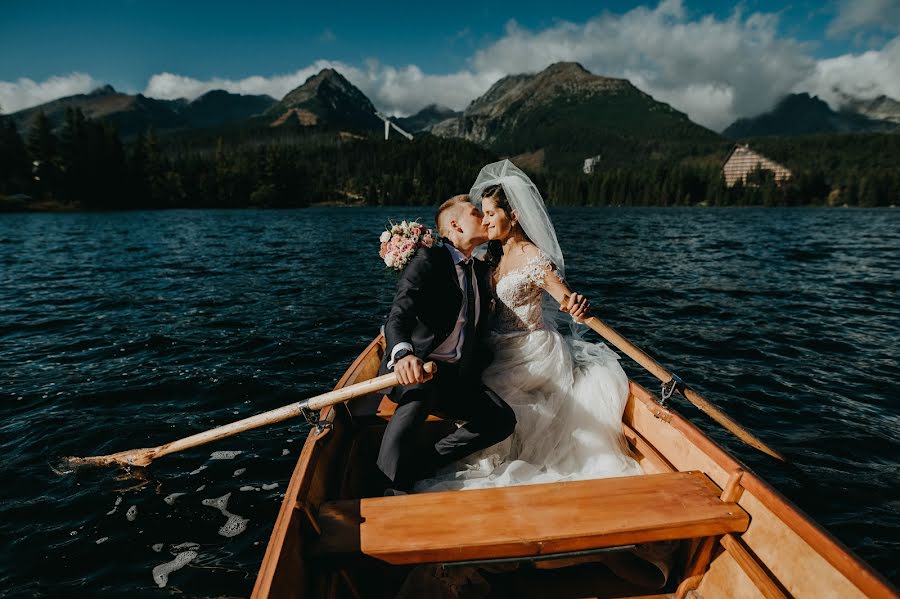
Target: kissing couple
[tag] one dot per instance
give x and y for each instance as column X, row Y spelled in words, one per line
column 533, row 405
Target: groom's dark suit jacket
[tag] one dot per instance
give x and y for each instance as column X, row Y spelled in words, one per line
column 427, row 304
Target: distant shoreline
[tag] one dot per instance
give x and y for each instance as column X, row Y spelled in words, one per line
column 15, row 206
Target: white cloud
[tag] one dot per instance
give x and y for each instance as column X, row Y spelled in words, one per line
column 865, row 75
column 169, row 86
column 24, row 93
column 861, row 15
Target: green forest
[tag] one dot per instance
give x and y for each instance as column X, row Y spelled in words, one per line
column 87, row 164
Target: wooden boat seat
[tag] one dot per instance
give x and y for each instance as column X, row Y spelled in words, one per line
column 386, row 410
column 528, row 520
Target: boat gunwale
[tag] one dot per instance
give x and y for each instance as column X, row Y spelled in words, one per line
column 299, row 479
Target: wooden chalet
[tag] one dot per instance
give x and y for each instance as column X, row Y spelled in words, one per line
column 742, row 161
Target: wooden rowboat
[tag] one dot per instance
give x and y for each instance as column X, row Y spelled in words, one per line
column 738, row 537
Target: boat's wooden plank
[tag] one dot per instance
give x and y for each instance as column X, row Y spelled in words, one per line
column 651, row 461
column 767, row 585
column 528, row 520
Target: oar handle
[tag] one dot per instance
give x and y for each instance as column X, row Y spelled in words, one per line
column 364, row 388
column 657, row 370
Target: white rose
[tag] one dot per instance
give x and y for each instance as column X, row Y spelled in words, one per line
column 385, row 237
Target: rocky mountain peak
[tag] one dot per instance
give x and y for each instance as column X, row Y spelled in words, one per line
column 326, row 98
column 326, row 79
column 882, row 107
column 427, row 118
column 568, row 69
column 104, row 90
column 537, row 114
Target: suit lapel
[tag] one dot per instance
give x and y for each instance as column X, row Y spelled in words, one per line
column 451, row 269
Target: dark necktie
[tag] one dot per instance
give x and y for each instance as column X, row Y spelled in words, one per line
column 469, row 330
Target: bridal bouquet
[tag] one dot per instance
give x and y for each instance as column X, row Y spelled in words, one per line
column 400, row 242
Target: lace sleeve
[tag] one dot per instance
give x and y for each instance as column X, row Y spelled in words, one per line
column 539, row 268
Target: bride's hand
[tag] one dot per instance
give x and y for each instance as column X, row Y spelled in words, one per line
column 577, row 307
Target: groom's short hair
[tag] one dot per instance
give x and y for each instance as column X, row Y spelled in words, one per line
column 447, row 211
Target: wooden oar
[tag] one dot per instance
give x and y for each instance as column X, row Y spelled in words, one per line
column 657, row 370
column 143, row 456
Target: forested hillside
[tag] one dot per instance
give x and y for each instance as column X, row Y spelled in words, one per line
column 87, row 165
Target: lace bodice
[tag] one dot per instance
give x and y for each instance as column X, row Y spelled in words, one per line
column 518, row 296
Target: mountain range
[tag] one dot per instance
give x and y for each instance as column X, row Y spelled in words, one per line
column 553, row 119
column 133, row 114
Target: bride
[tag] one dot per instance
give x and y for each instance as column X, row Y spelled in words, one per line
column 568, row 395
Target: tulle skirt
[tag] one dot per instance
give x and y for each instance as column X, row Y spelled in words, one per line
column 568, row 396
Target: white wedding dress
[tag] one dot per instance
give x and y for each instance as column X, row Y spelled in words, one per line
column 568, row 396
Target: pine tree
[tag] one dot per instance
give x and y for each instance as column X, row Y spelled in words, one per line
column 14, row 165
column 42, row 147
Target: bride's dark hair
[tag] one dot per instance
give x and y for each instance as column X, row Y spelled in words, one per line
column 496, row 193
column 495, row 247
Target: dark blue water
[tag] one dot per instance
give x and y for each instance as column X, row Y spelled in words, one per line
column 128, row 330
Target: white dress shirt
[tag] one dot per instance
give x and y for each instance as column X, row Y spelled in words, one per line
column 451, row 348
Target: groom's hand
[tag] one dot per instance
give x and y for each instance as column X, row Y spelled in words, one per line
column 409, row 370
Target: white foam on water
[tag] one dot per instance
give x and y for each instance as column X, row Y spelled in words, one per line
column 239, row 471
column 102, row 540
column 131, row 514
column 248, row 488
column 285, row 451
column 170, row 499
column 224, row 455
column 162, row 571
column 186, row 545
column 234, row 525
column 157, row 547
column 270, row 487
column 200, row 469
column 73, row 533
column 200, row 488
column 220, row 503
column 115, row 507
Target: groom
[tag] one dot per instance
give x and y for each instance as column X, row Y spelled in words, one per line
column 440, row 313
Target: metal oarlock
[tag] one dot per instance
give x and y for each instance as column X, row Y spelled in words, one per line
column 670, row 387
column 312, row 417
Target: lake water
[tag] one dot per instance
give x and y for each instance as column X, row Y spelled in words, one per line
column 122, row 330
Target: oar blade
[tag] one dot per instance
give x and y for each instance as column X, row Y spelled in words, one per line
column 132, row 457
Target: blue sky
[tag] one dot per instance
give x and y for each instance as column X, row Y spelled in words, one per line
column 444, row 47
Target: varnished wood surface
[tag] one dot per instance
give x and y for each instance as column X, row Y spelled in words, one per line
column 528, row 520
